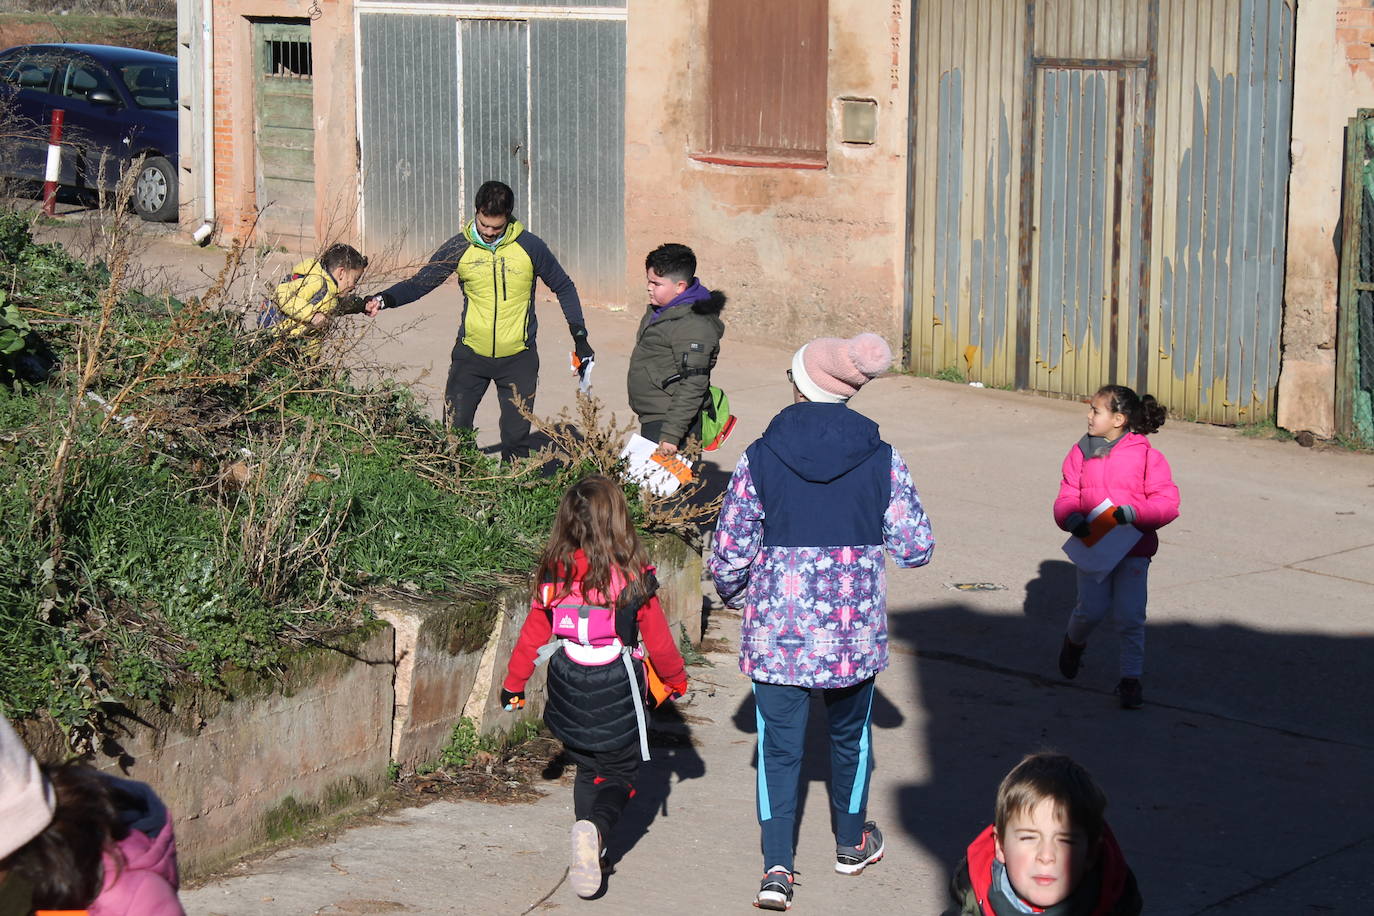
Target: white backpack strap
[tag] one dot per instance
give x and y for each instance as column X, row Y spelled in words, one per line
column 546, row 651
column 639, row 705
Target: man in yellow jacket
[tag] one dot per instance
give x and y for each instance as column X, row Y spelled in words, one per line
column 497, row 263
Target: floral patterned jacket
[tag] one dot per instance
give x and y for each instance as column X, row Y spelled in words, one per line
column 814, row 616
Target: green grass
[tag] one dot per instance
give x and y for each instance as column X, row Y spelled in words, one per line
column 950, row 374
column 1264, row 429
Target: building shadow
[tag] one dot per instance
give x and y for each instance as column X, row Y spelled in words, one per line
column 674, row 759
column 1245, row 774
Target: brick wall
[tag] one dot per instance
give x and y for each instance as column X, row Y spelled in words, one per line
column 1355, row 34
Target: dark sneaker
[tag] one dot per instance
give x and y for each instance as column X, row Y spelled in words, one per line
column 1071, row 658
column 584, row 874
column 851, row 860
column 1131, row 693
column 775, row 893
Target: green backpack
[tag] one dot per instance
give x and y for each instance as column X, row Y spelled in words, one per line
column 716, row 419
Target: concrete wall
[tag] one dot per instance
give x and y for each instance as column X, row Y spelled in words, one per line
column 278, row 749
column 800, row 252
column 1333, row 76
column 336, row 176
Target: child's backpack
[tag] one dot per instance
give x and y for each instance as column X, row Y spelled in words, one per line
column 716, row 420
column 595, row 635
column 269, row 310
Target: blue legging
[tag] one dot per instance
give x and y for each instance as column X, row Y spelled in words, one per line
column 782, row 713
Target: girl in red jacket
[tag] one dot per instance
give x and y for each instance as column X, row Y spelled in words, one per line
column 594, row 593
column 1115, row 461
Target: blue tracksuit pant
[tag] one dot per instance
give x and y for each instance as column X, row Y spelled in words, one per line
column 782, row 713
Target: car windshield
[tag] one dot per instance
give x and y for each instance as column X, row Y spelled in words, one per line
column 152, row 85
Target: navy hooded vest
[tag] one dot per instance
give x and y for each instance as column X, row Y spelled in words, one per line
column 823, row 476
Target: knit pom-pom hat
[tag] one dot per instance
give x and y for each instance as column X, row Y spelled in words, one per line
column 831, row 370
column 26, row 798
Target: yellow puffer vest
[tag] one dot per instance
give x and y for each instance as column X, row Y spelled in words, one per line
column 499, row 289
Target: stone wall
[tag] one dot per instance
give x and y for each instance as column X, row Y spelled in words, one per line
column 1333, row 77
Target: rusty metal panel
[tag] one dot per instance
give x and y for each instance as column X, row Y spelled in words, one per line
column 1134, row 234
column 1224, row 206
column 965, row 164
column 409, row 133
column 1106, row 30
column 768, row 63
column 577, row 196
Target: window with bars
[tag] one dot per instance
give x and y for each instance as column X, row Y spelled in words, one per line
column 288, row 59
column 768, row 66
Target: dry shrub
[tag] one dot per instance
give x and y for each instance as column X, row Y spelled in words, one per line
column 591, row 437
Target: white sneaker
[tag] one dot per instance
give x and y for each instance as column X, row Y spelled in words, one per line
column 584, row 874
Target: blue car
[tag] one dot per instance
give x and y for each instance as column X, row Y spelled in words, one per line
column 120, row 105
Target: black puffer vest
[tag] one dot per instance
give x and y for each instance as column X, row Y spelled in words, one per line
column 592, row 707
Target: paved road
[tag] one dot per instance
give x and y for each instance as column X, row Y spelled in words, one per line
column 1241, row 787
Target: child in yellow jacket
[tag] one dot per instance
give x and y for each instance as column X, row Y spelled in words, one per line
column 315, row 292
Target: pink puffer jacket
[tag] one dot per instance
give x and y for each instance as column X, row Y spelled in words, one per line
column 1131, row 474
column 146, row 882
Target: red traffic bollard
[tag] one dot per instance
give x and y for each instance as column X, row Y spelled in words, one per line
column 54, row 162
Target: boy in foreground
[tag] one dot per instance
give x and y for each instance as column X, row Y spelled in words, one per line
column 1049, row 851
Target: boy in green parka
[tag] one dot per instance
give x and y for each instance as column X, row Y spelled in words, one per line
column 675, row 349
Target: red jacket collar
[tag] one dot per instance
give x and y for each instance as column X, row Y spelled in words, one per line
column 1111, row 862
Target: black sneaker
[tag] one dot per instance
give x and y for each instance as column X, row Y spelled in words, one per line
column 1131, row 693
column 1071, row 658
column 584, row 873
column 851, row 860
column 775, row 893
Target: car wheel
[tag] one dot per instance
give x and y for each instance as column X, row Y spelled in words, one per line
column 155, row 190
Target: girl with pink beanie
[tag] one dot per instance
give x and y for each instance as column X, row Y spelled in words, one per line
column 809, row 512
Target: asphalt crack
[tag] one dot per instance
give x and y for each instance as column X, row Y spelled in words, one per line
column 1274, row 881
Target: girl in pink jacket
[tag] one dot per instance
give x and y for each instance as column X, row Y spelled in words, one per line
column 107, row 851
column 1115, row 461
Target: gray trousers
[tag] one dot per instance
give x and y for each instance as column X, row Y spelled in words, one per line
column 1123, row 592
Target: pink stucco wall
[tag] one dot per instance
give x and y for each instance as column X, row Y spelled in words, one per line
column 800, row 252
column 1333, row 77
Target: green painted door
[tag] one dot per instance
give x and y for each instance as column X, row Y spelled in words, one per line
column 285, row 130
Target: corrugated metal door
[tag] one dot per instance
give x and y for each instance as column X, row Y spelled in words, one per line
column 1085, row 273
column 1148, row 187
column 538, row 103
column 494, row 113
column 409, row 126
column 577, row 195
column 285, row 129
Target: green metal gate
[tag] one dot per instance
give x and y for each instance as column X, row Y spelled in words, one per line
column 1355, row 332
column 284, row 93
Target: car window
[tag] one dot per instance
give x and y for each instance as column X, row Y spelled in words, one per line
column 29, row 71
column 82, row 78
column 152, row 85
